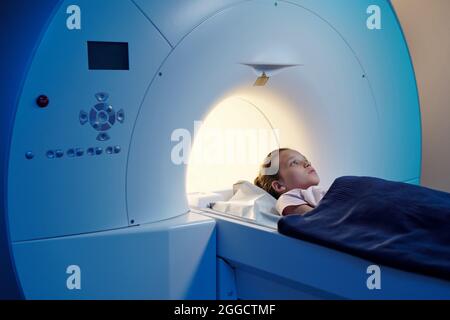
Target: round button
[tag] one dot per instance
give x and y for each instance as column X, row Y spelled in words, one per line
column 109, row 150
column 116, row 149
column 50, row 154
column 102, row 96
column 71, row 153
column 79, row 152
column 42, row 101
column 100, row 119
column 59, row 153
column 98, row 151
column 83, row 116
column 29, row 155
column 91, row 151
column 121, row 116
column 102, row 116
column 102, row 136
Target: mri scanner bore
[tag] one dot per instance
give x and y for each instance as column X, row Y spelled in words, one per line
column 136, row 128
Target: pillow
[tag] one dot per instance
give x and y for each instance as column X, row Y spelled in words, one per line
column 251, row 202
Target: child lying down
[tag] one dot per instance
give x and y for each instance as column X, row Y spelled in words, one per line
column 390, row 223
column 294, row 184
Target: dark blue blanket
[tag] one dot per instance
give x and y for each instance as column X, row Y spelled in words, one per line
column 390, row 223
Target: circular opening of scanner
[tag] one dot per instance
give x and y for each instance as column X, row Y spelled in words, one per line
column 232, row 140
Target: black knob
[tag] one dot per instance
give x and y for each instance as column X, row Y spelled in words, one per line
column 42, row 101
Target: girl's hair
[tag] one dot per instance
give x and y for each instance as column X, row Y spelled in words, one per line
column 265, row 181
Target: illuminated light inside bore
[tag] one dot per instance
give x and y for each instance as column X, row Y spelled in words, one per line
column 229, row 145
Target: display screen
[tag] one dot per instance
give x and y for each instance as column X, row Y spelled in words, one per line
column 108, row 55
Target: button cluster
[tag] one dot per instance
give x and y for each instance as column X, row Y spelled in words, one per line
column 76, row 152
column 102, row 116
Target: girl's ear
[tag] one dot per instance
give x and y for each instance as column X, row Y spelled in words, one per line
column 278, row 186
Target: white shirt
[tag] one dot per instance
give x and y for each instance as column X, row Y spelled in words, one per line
column 296, row 197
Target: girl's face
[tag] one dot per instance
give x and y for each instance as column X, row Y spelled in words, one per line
column 295, row 172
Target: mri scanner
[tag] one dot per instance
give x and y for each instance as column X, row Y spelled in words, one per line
column 94, row 205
